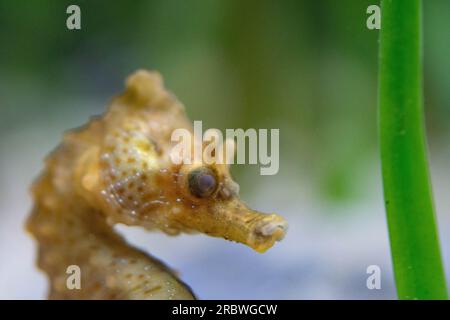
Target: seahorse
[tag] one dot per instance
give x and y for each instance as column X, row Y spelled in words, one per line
column 118, row 168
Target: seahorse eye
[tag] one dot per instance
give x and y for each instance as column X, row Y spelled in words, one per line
column 202, row 182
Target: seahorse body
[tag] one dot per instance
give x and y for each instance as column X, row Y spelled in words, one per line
column 118, row 169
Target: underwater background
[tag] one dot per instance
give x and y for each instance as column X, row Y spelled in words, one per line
column 308, row 68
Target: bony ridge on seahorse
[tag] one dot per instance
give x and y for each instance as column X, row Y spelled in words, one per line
column 118, row 169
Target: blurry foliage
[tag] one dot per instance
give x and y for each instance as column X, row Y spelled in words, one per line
column 306, row 67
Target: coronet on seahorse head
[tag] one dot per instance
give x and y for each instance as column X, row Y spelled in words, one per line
column 135, row 180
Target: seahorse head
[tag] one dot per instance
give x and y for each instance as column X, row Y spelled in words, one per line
column 140, row 184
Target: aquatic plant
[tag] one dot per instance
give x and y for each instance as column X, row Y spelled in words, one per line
column 407, row 191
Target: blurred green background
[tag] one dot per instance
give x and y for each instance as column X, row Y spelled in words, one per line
column 308, row 68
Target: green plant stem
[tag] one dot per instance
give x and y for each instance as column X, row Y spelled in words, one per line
column 414, row 240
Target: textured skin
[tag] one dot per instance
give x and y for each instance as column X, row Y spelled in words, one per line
column 117, row 169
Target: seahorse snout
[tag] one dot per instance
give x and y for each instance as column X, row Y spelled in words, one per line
column 266, row 231
column 273, row 228
column 237, row 222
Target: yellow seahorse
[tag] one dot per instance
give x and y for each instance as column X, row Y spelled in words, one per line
column 118, row 169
